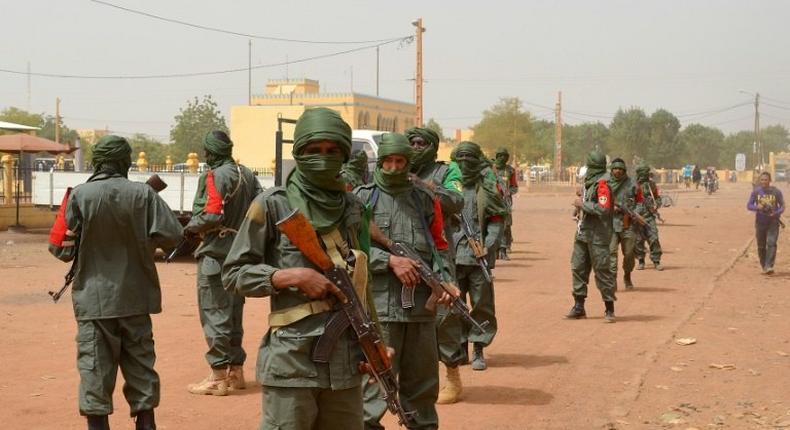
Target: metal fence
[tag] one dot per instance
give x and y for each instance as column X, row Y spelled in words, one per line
column 13, row 188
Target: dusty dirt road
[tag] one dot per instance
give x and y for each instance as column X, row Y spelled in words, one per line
column 544, row 372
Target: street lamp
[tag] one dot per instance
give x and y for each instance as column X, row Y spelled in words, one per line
column 757, row 147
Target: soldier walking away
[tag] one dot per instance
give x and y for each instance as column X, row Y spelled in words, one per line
column 507, row 185
column 407, row 214
column 623, row 190
column 444, row 180
column 768, row 204
column 485, row 211
column 223, row 196
column 593, row 238
column 650, row 201
column 299, row 393
column 112, row 226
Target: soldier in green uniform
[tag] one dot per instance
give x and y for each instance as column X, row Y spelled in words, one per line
column 592, row 240
column 647, row 193
column 623, row 191
column 404, row 213
column 507, row 184
column 224, row 193
column 485, row 210
column 444, row 180
column 112, row 226
column 355, row 170
column 299, row 394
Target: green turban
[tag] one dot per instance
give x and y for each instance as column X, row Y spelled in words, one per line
column 614, row 183
column 596, row 166
column 322, row 124
column 643, row 172
column 472, row 164
column 617, row 163
column 112, row 154
column 501, row 158
column 427, row 155
column 215, row 143
column 393, row 181
column 355, row 170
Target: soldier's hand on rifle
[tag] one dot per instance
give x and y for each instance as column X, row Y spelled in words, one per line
column 406, row 270
column 365, row 368
column 311, row 283
column 450, row 292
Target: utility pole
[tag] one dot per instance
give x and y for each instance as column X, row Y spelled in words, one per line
column 758, row 144
column 558, row 136
column 57, row 119
column 418, row 81
column 249, row 72
column 29, row 107
column 377, row 70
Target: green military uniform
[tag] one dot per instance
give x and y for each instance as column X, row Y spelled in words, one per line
column 648, row 191
column 507, row 184
column 485, row 210
column 593, row 237
column 112, row 227
column 300, row 394
column 624, row 235
column 404, row 213
column 447, row 187
column 355, row 170
column 224, row 193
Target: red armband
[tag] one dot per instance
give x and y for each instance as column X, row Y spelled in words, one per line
column 58, row 232
column 513, row 181
column 437, row 227
column 496, row 218
column 604, row 195
column 214, row 201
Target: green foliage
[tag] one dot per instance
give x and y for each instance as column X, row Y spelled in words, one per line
column 191, row 125
column 156, row 152
column 666, row 149
column 629, row 134
column 433, row 125
column 507, row 125
column 579, row 140
column 19, row 116
column 703, row 145
column 45, row 122
column 742, row 142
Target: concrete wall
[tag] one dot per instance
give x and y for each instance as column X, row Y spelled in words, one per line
column 29, row 216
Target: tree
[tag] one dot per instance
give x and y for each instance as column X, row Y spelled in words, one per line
column 629, row 134
column 433, row 125
column 506, row 125
column 19, row 116
column 45, row 122
column 192, row 124
column 775, row 139
column 703, row 145
column 665, row 150
column 156, row 152
column 579, row 140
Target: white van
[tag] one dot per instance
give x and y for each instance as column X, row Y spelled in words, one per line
column 368, row 141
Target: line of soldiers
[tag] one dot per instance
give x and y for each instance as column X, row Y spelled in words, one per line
column 109, row 227
column 613, row 212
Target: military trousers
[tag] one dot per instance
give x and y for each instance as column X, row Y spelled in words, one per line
column 767, row 235
column 473, row 283
column 300, row 408
column 416, row 364
column 652, row 241
column 507, row 233
column 624, row 241
column 104, row 345
column 450, row 336
column 221, row 315
column 589, row 257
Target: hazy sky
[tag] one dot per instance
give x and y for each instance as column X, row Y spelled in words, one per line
column 690, row 57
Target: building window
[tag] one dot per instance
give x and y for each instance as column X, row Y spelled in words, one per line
column 395, row 125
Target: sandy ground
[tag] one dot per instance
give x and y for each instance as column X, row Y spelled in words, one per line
column 544, row 372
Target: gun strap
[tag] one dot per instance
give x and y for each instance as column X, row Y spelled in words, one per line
column 338, row 248
column 288, row 316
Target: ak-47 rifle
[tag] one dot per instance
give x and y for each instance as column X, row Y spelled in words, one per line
column 351, row 313
column 654, row 204
column 155, row 182
column 434, row 281
column 505, row 187
column 476, row 246
column 644, row 229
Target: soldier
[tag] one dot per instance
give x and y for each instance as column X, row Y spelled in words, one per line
column 408, row 214
column 297, row 392
column 110, row 227
column 647, row 193
column 485, row 211
column 507, row 185
column 445, row 181
column 224, row 193
column 355, row 171
column 593, row 237
column 623, row 191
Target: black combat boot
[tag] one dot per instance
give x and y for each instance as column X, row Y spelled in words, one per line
column 577, row 311
column 627, row 280
column 503, row 254
column 641, row 265
column 145, row 420
column 608, row 315
column 478, row 359
column 98, row 422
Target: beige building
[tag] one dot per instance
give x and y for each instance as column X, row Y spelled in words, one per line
column 253, row 127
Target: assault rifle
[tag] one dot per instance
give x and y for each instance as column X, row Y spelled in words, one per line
column 155, row 182
column 476, row 246
column 434, row 281
column 653, row 207
column 644, row 229
column 505, row 187
column 351, row 313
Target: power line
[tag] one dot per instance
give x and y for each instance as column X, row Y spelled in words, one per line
column 216, row 72
column 776, row 106
column 236, row 33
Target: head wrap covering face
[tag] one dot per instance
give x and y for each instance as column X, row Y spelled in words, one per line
column 596, row 166
column 393, row 181
column 501, row 158
column 425, row 156
column 643, row 173
column 355, row 170
column 219, row 148
column 615, row 183
column 472, row 164
column 112, row 154
column 322, row 124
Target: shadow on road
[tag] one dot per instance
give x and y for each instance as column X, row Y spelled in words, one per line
column 639, row 318
column 526, row 361
column 670, row 224
column 650, row 289
column 499, row 395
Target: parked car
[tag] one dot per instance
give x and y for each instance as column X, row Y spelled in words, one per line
column 368, row 141
column 182, row 167
column 539, row 173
